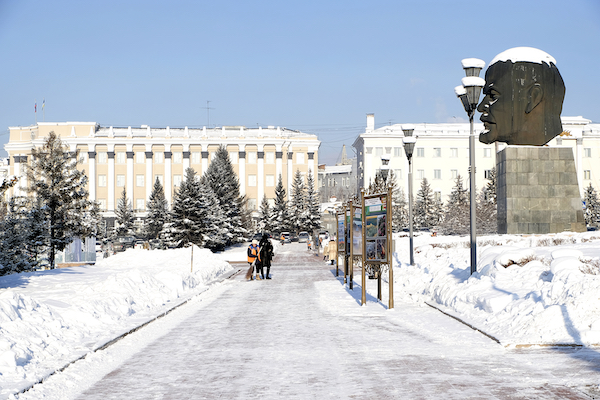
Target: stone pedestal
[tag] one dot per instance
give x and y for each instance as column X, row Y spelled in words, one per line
column 537, row 191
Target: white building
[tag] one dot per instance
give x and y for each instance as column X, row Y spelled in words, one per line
column 442, row 153
column 134, row 157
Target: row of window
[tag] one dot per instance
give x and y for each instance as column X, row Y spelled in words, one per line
column 420, row 152
column 177, row 157
column 140, row 180
column 331, row 182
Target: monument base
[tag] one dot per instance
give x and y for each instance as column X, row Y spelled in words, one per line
column 537, row 191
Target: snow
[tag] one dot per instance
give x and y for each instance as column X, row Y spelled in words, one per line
column 529, row 290
column 468, row 81
column 472, row 63
column 524, row 54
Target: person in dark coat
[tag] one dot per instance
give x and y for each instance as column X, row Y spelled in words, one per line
column 266, row 255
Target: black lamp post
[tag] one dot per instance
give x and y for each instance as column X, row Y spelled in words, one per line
column 469, row 94
column 409, row 142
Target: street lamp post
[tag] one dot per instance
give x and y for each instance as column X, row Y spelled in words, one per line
column 469, row 94
column 409, row 146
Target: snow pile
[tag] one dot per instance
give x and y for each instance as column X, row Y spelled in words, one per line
column 528, row 290
column 50, row 318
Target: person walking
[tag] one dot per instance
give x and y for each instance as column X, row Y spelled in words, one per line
column 253, row 260
column 332, row 251
column 326, row 252
column 266, row 256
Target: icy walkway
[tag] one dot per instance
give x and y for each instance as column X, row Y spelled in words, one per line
column 303, row 335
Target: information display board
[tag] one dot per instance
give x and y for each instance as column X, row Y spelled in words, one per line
column 376, row 232
column 341, row 232
column 357, row 244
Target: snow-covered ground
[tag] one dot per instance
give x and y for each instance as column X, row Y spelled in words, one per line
column 538, row 289
column 48, row 319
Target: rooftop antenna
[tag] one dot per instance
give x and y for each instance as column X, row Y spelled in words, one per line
column 208, row 108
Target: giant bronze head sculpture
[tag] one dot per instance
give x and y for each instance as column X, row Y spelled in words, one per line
column 523, row 96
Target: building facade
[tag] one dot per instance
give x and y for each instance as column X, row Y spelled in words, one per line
column 442, row 153
column 132, row 158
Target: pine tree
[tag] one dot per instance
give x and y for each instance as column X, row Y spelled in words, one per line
column 487, row 214
column 213, row 231
column 489, row 191
column 266, row 216
column 59, row 187
column 125, row 216
column 313, row 216
column 399, row 210
column 280, row 209
column 424, row 206
column 297, row 206
column 157, row 211
column 14, row 256
column 187, row 211
column 457, row 215
column 225, row 185
column 592, row 207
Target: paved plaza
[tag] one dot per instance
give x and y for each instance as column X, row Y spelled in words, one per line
column 304, row 335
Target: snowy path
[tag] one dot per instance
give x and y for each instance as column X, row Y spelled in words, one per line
column 304, row 335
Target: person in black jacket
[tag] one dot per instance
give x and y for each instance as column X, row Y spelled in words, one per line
column 266, row 255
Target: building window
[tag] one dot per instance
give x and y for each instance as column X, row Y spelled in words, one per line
column 176, row 180
column 437, row 152
column 270, row 157
column 83, row 157
column 251, row 157
column 454, row 173
column 139, row 180
column 213, row 155
column 139, row 204
column 587, row 174
column 120, row 180
column 437, row 196
column 251, row 204
column 195, row 157
column 420, row 174
column 102, row 180
column 270, row 180
column 587, row 152
column 397, row 151
column 378, row 151
column 177, row 158
column 233, row 157
column 102, row 204
column 159, row 177
column 102, row 158
column 140, row 157
column 420, row 152
column 159, row 158
column 437, row 174
column 487, row 153
column 299, row 158
column 120, row 158
column 454, row 152
column 251, row 180
column 398, row 174
column 487, row 173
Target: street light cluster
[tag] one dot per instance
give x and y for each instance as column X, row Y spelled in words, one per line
column 469, row 93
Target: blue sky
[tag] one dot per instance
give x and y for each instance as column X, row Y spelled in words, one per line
column 315, row 66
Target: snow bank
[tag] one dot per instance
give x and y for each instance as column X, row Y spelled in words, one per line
column 528, row 290
column 50, row 318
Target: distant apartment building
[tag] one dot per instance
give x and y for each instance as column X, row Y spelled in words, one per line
column 132, row 158
column 442, row 153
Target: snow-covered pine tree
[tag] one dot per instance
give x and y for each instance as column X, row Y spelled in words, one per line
column 487, row 220
column 280, row 209
column 225, row 184
column 187, row 213
column 124, row 213
column 424, row 206
column 14, row 236
column 266, row 216
column 313, row 207
column 36, row 234
column 158, row 212
column 489, row 191
column 456, row 217
column 592, row 207
column 213, row 231
column 297, row 204
column 399, row 210
column 59, row 186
